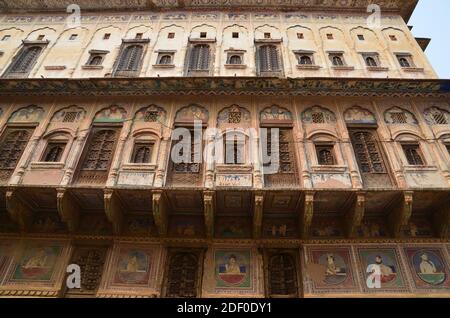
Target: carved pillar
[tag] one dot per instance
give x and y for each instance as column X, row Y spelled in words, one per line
column 113, row 210
column 355, row 215
column 73, row 158
column 258, row 215
column 114, row 171
column 68, row 209
column 209, row 207
column 162, row 162
column 306, row 177
column 400, row 215
column 26, row 158
column 209, row 161
column 19, row 212
column 160, row 212
column 441, row 220
column 351, row 160
column 257, row 171
column 306, row 214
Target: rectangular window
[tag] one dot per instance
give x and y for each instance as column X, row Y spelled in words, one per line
column 73, row 37
column 171, row 35
column 106, row 36
column 305, row 59
column 191, row 166
column 413, row 154
column 138, row 36
column 199, row 59
column 6, row 37
column 129, row 62
column 54, row 152
column 142, row 152
column 448, row 148
column 203, row 35
column 24, row 61
column 393, row 37
column 41, row 37
column 235, row 35
column 337, row 59
column 325, row 155
column 360, row 37
column 268, row 60
column 330, row 36
column 300, row 36
column 267, row 35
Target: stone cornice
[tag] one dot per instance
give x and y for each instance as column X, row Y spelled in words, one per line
column 210, row 86
column 403, row 7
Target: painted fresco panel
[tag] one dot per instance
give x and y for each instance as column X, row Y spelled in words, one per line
column 428, row 267
column 385, row 261
column 232, row 271
column 133, row 269
column 331, row 269
column 38, row 264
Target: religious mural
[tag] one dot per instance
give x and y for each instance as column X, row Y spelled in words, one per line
column 275, row 113
column 276, row 227
column 380, row 269
column 331, row 269
column 232, row 269
column 36, row 263
column 359, row 115
column 30, row 114
column 192, row 113
column 113, row 114
column 233, row 227
column 133, row 267
column 428, row 267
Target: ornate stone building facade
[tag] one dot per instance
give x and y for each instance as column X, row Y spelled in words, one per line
column 87, row 113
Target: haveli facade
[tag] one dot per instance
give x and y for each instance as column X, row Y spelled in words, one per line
column 87, row 114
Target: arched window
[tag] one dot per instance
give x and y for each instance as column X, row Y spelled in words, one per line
column 130, row 58
column 234, row 149
column 404, row 62
column 25, row 61
column 12, row 146
column 199, row 57
column 305, row 60
column 337, row 61
column 235, row 60
column 96, row 60
column 282, row 275
column 182, row 275
column 370, row 61
column 367, row 152
column 100, row 150
column 165, row 60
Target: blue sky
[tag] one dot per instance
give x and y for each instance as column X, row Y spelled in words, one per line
column 431, row 19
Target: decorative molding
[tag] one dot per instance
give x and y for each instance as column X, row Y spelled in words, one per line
column 68, row 209
column 209, row 211
column 306, row 214
column 355, row 215
column 267, row 86
column 258, row 215
column 114, row 210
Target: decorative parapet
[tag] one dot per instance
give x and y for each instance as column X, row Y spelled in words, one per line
column 402, row 7
column 150, row 86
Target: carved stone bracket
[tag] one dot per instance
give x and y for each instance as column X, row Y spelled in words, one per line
column 19, row 212
column 160, row 212
column 355, row 214
column 306, row 214
column 68, row 209
column 209, row 208
column 400, row 215
column 258, row 215
column 113, row 210
column 441, row 220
